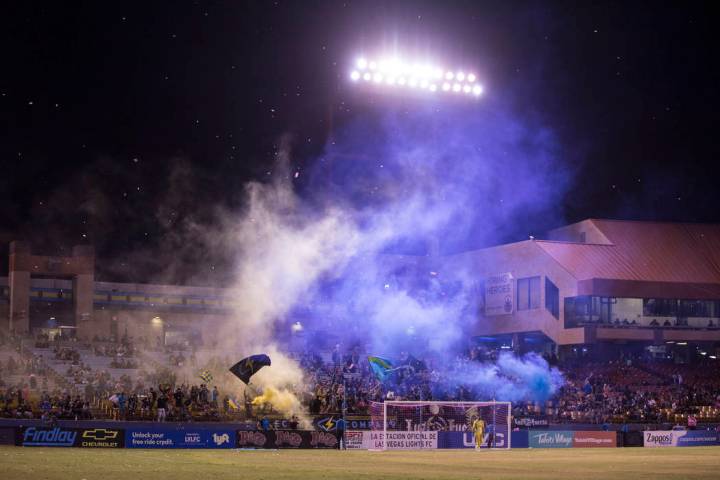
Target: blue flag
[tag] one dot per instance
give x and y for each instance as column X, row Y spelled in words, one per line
column 381, row 367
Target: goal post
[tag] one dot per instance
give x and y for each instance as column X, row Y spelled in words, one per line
column 416, row 425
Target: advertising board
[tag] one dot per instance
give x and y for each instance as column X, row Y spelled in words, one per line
column 531, row 422
column 365, row 440
column 697, row 438
column 550, row 439
column 327, row 423
column 679, row 438
column 404, row 440
column 593, row 439
column 357, row 440
column 467, row 440
column 187, row 437
column 70, row 437
column 499, row 294
column 286, row 439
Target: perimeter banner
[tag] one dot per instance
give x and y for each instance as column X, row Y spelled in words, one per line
column 366, row 440
column 357, row 440
column 680, row 438
column 582, row 439
column 531, row 422
column 70, row 437
column 188, row 437
column 286, row 439
column 404, row 440
column 550, row 439
column 467, row 440
column 327, row 423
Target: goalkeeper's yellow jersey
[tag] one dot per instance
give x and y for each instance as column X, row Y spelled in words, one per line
column 478, row 425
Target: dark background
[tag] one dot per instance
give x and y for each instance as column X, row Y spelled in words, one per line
column 128, row 124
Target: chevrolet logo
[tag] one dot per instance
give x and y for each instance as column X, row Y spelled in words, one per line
column 100, row 434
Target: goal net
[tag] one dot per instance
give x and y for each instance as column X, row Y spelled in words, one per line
column 406, row 425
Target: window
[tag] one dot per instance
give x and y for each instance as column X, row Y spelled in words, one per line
column 660, row 307
column 697, row 308
column 552, row 298
column 528, row 293
column 571, row 319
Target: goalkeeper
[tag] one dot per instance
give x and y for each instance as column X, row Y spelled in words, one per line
column 478, row 427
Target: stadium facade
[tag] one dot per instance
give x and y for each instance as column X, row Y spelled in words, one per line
column 604, row 284
column 597, row 285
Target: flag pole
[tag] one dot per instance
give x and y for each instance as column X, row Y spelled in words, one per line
column 344, row 410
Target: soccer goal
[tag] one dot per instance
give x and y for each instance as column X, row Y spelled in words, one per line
column 407, row 425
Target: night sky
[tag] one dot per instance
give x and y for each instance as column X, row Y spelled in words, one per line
column 123, row 122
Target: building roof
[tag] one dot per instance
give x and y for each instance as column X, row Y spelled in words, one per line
column 678, row 253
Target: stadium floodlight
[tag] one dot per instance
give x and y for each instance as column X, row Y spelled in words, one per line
column 394, row 72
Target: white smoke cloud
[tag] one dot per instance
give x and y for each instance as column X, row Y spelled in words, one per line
column 418, row 188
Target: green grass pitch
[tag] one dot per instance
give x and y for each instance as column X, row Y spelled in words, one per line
column 585, row 464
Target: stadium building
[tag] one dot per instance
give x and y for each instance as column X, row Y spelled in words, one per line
column 595, row 288
column 602, row 286
column 51, row 294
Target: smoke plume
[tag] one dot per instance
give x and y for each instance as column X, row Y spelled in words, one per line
column 334, row 244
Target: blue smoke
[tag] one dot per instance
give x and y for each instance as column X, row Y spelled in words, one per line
column 402, row 187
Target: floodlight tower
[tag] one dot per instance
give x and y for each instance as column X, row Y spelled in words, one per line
column 390, row 76
column 396, row 74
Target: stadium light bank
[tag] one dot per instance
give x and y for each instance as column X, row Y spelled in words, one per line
column 394, row 73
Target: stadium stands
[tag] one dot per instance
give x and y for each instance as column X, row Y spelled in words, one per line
column 71, row 379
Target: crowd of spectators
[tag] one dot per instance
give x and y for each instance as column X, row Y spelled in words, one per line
column 620, row 391
column 617, row 391
column 125, row 363
column 182, row 403
column 124, row 349
column 624, row 391
column 67, row 354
